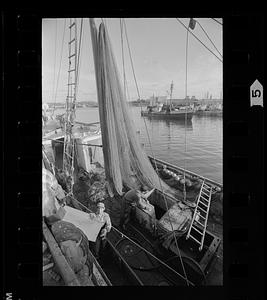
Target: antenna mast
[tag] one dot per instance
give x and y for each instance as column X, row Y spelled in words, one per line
column 171, row 96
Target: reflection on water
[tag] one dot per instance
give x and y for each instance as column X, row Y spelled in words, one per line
column 179, row 122
column 196, row 146
column 210, row 116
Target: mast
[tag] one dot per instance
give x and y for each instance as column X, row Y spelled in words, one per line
column 171, row 96
column 68, row 155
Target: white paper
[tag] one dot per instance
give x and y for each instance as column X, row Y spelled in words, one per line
column 80, row 219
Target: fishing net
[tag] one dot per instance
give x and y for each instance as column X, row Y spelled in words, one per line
column 125, row 160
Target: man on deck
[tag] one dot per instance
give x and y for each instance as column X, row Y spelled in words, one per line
column 104, row 218
column 133, row 198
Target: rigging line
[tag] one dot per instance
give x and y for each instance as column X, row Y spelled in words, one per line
column 122, row 53
column 59, row 66
column 154, row 159
column 128, row 94
column 199, row 40
column 217, row 21
column 79, row 55
column 55, row 52
column 208, row 37
column 126, row 90
column 123, row 235
column 131, row 61
column 61, row 142
column 129, row 50
column 186, row 62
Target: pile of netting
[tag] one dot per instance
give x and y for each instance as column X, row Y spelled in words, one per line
column 126, row 163
column 90, row 188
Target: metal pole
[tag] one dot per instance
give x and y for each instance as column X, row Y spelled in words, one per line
column 186, row 58
column 186, row 61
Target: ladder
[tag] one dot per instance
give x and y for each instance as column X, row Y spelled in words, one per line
column 198, row 225
column 69, row 145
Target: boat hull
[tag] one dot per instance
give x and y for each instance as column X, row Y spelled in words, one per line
column 169, row 116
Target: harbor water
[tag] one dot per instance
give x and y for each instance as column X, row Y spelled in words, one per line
column 194, row 144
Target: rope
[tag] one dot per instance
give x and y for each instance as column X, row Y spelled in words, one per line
column 76, row 143
column 123, row 235
column 217, row 21
column 186, row 59
column 200, row 40
column 59, row 67
column 209, row 38
column 122, row 53
column 129, row 49
column 79, row 54
column 154, row 160
column 55, row 52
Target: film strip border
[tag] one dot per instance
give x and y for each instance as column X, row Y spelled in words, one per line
column 22, row 154
column 243, row 157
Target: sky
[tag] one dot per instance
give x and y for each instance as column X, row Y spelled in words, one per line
column 158, row 50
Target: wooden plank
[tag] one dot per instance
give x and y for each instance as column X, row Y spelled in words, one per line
column 64, row 268
column 48, row 266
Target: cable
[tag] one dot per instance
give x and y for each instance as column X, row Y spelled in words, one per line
column 199, row 40
column 154, row 158
column 55, row 52
column 59, row 66
column 122, row 234
column 79, row 54
column 61, row 142
column 130, row 55
column 186, row 59
column 217, row 21
column 208, row 37
column 122, row 53
column 165, row 261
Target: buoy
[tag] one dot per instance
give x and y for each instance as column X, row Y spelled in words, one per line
column 188, row 182
column 182, row 181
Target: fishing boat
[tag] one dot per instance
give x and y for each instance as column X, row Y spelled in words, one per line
column 168, row 111
column 166, row 242
column 209, row 110
column 170, row 114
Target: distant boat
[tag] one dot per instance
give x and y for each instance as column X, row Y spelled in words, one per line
column 169, row 114
column 168, row 111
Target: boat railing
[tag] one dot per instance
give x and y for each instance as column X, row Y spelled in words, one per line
column 125, row 263
column 66, row 272
column 87, row 124
column 207, row 180
column 99, row 276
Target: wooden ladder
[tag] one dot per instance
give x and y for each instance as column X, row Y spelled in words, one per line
column 69, row 150
column 198, row 225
